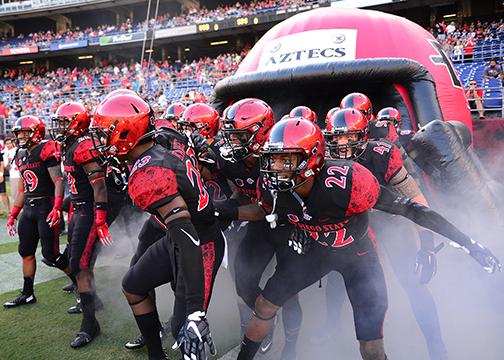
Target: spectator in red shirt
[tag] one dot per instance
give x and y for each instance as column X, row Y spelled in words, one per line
column 3, row 109
column 475, row 98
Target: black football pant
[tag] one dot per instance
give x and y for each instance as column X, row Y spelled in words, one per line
column 360, row 269
column 254, row 253
column 158, row 265
column 397, row 238
column 33, row 226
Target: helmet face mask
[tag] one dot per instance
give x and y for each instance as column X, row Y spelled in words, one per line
column 29, row 131
column 59, row 128
column 346, row 145
column 283, row 168
column 293, row 154
column 23, row 138
column 103, row 152
column 239, row 143
column 390, row 115
column 346, row 134
column 71, row 119
column 245, row 128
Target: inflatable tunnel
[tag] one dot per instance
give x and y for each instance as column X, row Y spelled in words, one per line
column 317, row 57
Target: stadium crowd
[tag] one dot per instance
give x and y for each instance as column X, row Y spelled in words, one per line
column 459, row 39
column 188, row 16
column 41, row 91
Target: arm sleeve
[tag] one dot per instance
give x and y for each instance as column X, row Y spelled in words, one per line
column 191, row 265
column 392, row 203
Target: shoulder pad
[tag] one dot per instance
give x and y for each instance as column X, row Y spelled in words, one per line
column 84, row 151
column 150, row 185
column 50, row 149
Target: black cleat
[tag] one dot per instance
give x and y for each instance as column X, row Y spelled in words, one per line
column 69, row 288
column 21, row 299
column 84, row 338
column 134, row 344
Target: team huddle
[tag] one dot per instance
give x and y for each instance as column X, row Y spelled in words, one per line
column 302, row 195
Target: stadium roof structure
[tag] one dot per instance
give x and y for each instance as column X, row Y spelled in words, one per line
column 39, row 8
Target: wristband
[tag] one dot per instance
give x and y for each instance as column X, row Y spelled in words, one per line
column 101, row 206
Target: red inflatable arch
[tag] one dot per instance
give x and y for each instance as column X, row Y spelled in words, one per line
column 317, row 57
column 371, row 41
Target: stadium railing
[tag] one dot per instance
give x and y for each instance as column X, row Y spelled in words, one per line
column 489, row 50
column 20, row 6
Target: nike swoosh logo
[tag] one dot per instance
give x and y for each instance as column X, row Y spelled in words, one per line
column 30, row 298
column 193, row 326
column 361, row 253
column 196, row 242
column 265, row 348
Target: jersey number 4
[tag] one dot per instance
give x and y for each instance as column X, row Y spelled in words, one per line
column 382, row 147
column 31, row 180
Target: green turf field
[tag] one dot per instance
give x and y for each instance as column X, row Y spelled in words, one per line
column 44, row 330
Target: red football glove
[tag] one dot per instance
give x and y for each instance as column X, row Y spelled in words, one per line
column 11, row 223
column 102, row 227
column 54, row 216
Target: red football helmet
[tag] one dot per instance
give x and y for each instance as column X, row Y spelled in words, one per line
column 304, row 112
column 170, row 116
column 31, row 124
column 390, row 114
column 201, row 117
column 245, row 128
column 360, row 102
column 119, row 123
column 342, row 124
column 71, row 119
column 330, row 113
column 292, row 137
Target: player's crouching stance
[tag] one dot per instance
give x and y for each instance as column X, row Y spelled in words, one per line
column 40, row 197
column 327, row 202
column 166, row 183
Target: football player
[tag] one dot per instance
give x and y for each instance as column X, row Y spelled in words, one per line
column 40, row 196
column 244, row 129
column 200, row 122
column 88, row 194
column 327, row 202
column 347, row 138
column 166, row 183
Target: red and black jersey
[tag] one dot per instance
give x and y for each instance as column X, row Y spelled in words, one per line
column 242, row 176
column 217, row 183
column 383, row 159
column 159, row 175
column 335, row 213
column 78, row 153
column 33, row 166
